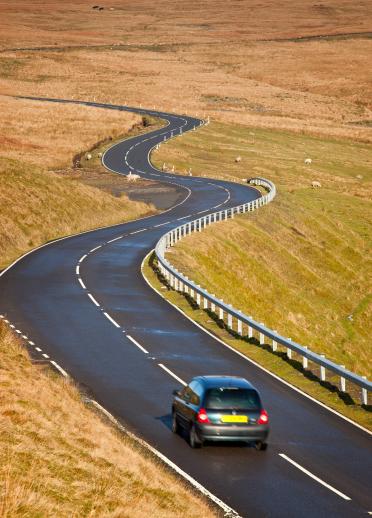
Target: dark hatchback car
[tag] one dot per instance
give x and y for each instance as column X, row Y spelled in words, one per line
column 220, row 408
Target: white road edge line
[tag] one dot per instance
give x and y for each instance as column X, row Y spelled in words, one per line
column 314, row 477
column 137, row 344
column 111, row 319
column 93, row 300
column 228, row 511
column 296, row 389
column 58, row 367
column 172, row 374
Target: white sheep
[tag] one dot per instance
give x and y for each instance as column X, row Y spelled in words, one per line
column 132, row 177
column 316, row 184
column 88, row 156
column 238, row 159
column 308, row 161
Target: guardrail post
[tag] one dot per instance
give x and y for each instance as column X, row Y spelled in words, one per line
column 205, row 303
column 198, row 298
column 213, row 306
column 250, row 331
column 191, row 293
column 171, row 280
column 262, row 336
column 176, row 284
column 199, row 225
column 240, row 327
column 220, row 313
column 305, row 360
column 364, row 394
column 342, row 381
column 322, row 370
column 289, row 352
column 226, row 214
column 275, row 344
column 210, row 219
column 229, row 320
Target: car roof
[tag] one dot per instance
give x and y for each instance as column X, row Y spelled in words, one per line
column 223, row 381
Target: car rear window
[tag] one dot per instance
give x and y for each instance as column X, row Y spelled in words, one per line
column 225, row 398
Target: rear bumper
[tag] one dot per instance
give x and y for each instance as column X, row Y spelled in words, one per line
column 232, row 433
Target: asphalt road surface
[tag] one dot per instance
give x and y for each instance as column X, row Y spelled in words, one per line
column 84, row 303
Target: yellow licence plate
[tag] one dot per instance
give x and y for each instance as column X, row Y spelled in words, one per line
column 234, row 419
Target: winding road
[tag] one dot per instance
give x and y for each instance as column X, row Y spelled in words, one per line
column 82, row 302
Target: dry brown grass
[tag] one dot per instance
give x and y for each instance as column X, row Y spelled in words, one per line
column 216, row 50
column 57, row 458
column 49, row 135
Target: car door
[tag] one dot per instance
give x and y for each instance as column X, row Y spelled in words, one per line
column 182, row 406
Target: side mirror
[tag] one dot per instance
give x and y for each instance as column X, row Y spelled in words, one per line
column 176, row 392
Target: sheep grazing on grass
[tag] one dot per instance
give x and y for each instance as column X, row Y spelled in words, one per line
column 308, row 161
column 316, row 184
column 132, row 177
column 238, row 159
column 88, row 156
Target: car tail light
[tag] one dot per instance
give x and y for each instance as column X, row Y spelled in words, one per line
column 264, row 418
column 202, row 417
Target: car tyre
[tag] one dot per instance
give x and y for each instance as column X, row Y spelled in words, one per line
column 194, row 440
column 175, row 425
column 260, row 445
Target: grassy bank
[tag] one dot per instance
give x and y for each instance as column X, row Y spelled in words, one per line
column 37, row 206
column 308, row 381
column 57, row 458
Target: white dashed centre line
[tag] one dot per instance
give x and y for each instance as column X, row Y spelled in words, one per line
column 38, row 349
column 82, row 258
column 77, row 270
column 93, row 300
column 137, row 344
column 115, row 239
column 111, row 319
column 138, row 231
column 162, row 224
column 45, row 355
column 82, row 284
column 314, row 477
column 172, row 374
column 94, row 249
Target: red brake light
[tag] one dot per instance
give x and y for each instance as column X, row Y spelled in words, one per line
column 202, row 417
column 264, row 418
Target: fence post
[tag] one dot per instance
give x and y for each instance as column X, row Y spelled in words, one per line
column 205, row 303
column 220, row 313
column 229, row 320
column 322, row 370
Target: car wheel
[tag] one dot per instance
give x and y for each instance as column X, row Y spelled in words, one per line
column 175, row 425
column 260, row 446
column 194, row 440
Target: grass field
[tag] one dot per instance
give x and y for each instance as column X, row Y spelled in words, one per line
column 57, row 458
column 302, row 264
